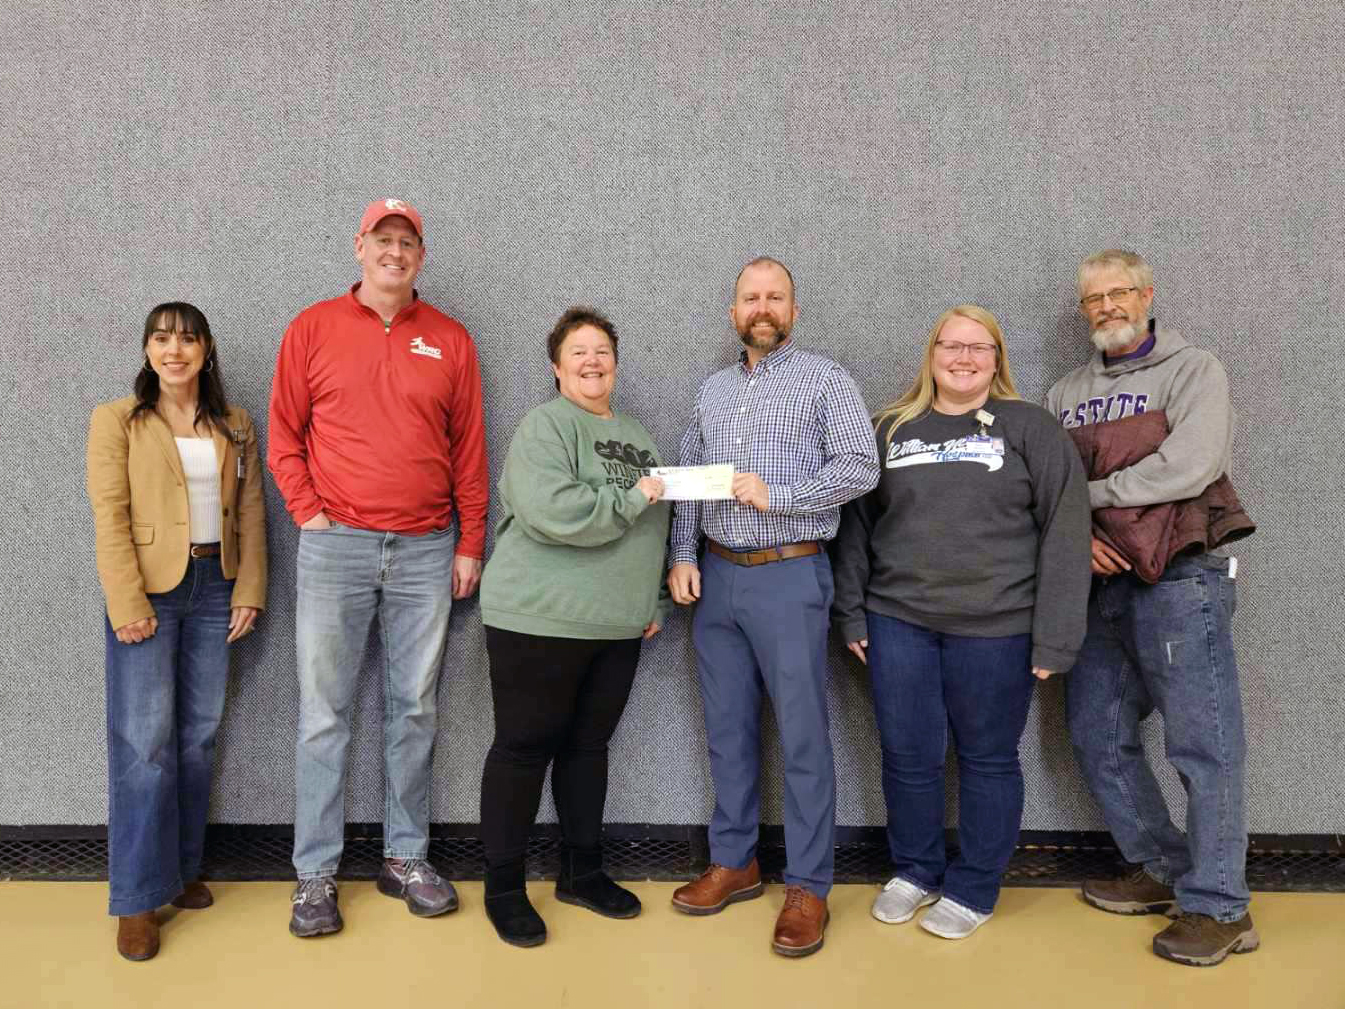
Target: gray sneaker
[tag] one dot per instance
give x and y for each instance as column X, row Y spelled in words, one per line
column 414, row 880
column 951, row 920
column 900, row 900
column 314, row 910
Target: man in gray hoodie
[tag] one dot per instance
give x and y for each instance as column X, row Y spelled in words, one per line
column 1165, row 647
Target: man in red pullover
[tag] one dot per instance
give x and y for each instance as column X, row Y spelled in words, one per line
column 376, row 436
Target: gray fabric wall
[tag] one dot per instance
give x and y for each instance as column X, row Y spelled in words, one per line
column 902, row 158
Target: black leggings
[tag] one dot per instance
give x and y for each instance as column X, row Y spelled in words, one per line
column 555, row 699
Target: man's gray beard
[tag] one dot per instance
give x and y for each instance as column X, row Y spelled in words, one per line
column 1116, row 337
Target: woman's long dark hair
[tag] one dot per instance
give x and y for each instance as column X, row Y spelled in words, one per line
column 184, row 318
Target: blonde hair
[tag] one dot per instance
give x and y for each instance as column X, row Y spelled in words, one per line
column 918, row 400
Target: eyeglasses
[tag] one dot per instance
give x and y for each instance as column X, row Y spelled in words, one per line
column 958, row 349
column 1115, row 294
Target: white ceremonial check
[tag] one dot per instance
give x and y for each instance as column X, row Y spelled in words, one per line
column 695, row 483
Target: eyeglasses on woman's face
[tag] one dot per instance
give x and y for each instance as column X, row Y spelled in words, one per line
column 956, row 348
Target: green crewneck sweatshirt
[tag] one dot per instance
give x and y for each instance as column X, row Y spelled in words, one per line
column 579, row 551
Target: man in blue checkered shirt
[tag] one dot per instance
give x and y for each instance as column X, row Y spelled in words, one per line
column 795, row 429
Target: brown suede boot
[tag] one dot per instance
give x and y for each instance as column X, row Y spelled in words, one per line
column 194, row 897
column 138, row 935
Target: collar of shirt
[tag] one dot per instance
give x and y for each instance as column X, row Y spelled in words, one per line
column 773, row 360
column 362, row 308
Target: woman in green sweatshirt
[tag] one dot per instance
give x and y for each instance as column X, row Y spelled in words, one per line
column 574, row 585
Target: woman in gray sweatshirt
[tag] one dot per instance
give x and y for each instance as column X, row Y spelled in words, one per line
column 961, row 580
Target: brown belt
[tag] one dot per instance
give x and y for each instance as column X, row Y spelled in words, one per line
column 752, row 558
column 205, row 549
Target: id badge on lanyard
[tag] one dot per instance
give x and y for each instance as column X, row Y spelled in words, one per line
column 236, row 436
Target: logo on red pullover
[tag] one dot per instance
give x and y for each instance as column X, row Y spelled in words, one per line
column 419, row 346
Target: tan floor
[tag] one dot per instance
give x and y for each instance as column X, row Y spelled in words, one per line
column 1043, row 949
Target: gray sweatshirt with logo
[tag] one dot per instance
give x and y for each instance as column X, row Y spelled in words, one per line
column 1190, row 384
column 974, row 537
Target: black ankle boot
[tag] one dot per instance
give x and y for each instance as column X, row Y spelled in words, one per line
column 508, row 907
column 582, row 881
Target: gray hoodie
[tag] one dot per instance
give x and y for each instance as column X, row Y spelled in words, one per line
column 1190, row 384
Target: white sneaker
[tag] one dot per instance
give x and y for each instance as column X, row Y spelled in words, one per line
column 952, row 920
column 900, row 900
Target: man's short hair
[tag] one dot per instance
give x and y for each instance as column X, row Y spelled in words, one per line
column 764, row 261
column 1141, row 273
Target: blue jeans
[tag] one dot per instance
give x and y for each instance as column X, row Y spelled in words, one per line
column 347, row 576
column 1167, row 647
column 765, row 628
column 924, row 683
column 165, row 698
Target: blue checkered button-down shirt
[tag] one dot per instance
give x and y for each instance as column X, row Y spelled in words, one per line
column 796, row 420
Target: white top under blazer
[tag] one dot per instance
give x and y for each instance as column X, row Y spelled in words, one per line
column 203, row 487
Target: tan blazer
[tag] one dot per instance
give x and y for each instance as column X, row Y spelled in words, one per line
column 139, row 496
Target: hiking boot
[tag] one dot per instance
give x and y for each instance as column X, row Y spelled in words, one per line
column 1198, row 940
column 900, row 900
column 414, row 880
column 314, row 910
column 1134, row 893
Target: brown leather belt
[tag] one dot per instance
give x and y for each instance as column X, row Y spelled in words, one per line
column 205, row 549
column 752, row 558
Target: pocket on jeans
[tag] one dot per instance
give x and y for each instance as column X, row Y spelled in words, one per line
column 1212, row 562
column 1180, row 609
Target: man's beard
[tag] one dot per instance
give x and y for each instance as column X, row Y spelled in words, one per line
column 1110, row 339
column 778, row 335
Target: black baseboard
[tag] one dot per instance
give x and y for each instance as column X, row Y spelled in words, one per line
column 634, row 851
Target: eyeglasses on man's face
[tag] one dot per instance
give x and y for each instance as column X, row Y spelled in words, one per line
column 1115, row 294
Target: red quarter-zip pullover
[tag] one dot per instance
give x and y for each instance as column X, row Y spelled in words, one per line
column 380, row 427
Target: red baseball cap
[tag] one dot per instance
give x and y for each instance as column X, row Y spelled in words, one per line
column 391, row 207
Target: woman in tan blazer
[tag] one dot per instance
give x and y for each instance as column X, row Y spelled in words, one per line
column 175, row 483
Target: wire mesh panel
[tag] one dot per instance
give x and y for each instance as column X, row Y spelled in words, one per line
column 657, row 852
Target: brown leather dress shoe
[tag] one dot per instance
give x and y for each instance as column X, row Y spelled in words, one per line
column 138, row 935
column 194, row 897
column 803, row 919
column 718, row 887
